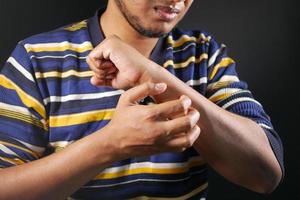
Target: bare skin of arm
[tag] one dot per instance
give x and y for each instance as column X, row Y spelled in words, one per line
column 59, row 175
column 236, row 147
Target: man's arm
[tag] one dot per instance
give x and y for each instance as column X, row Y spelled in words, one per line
column 58, row 175
column 233, row 145
column 236, row 147
column 144, row 133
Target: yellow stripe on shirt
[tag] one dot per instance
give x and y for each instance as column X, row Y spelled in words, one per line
column 150, row 170
column 14, row 161
column 28, row 100
column 80, row 118
column 224, row 93
column 55, row 74
column 225, row 62
column 76, row 26
column 220, row 97
column 34, row 154
column 63, row 46
column 25, row 118
column 224, row 81
column 185, row 38
column 186, row 196
column 186, row 63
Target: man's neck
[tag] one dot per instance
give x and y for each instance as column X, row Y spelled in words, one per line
column 113, row 23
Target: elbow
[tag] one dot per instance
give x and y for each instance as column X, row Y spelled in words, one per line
column 268, row 181
column 267, row 187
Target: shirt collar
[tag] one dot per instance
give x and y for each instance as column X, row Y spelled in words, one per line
column 97, row 36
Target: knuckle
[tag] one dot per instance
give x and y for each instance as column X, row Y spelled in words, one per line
column 183, row 104
column 148, row 112
column 146, row 88
column 92, row 55
column 188, row 122
column 89, row 59
column 178, row 105
column 148, row 85
column 154, row 137
column 158, row 133
column 124, row 96
column 188, row 142
column 166, row 131
column 155, row 112
column 161, row 132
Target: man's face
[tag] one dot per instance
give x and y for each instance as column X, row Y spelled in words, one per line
column 153, row 18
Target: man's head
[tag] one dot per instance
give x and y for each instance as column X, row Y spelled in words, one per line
column 153, row 18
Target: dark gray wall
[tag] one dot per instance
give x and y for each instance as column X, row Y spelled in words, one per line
column 262, row 36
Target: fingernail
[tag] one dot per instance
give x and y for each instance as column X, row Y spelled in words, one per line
column 160, row 86
column 186, row 101
column 196, row 131
column 195, row 116
column 92, row 80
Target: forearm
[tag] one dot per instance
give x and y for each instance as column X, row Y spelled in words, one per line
column 238, row 149
column 56, row 176
column 235, row 146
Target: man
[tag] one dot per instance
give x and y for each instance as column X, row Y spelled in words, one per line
column 112, row 147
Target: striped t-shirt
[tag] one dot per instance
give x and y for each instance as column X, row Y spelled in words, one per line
column 47, row 102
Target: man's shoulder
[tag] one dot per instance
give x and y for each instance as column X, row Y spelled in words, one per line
column 192, row 42
column 76, row 33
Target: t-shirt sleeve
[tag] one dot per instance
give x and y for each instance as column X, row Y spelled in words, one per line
column 23, row 122
column 226, row 90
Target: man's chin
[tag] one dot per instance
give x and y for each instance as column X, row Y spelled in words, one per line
column 153, row 33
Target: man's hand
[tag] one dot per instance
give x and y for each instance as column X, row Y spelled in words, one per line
column 116, row 64
column 139, row 130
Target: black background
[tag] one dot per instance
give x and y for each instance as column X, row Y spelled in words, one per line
column 262, row 37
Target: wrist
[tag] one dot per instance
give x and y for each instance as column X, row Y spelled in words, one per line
column 145, row 77
column 149, row 74
column 103, row 150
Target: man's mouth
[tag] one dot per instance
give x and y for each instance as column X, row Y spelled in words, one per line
column 166, row 13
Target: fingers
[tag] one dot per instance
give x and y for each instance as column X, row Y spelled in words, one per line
column 102, row 52
column 170, row 109
column 181, row 124
column 101, row 82
column 93, row 63
column 183, row 131
column 184, row 141
column 139, row 92
column 104, row 71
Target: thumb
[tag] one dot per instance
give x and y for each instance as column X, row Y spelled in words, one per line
column 139, row 92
